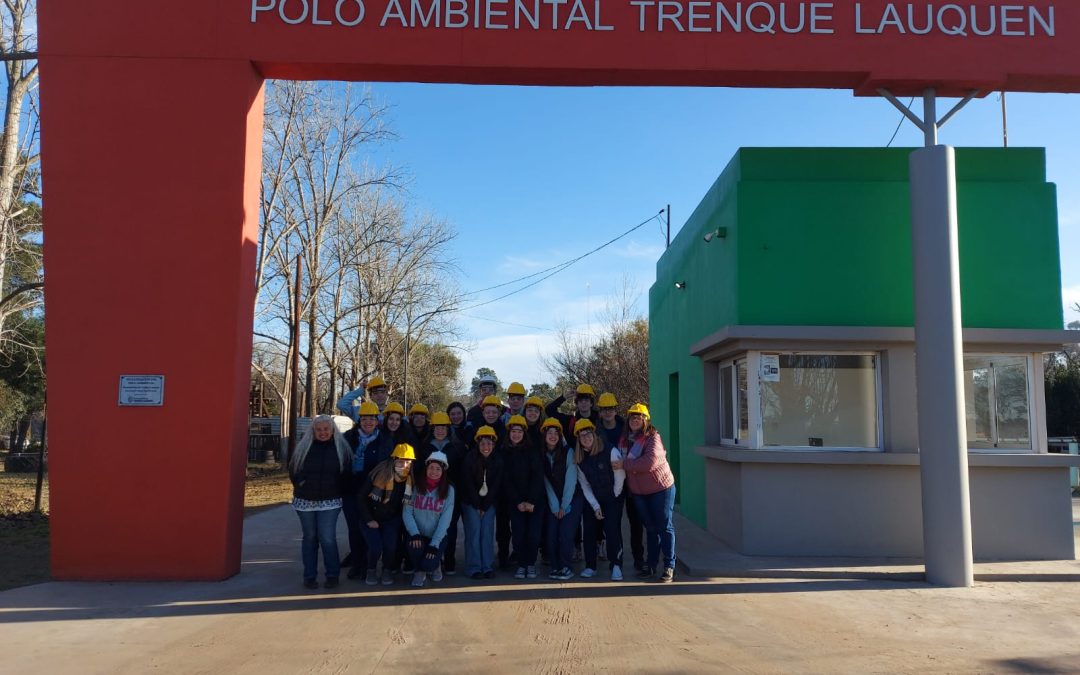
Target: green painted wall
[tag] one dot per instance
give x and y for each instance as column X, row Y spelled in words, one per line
column 821, row 236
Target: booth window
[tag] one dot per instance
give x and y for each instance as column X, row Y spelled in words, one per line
column 734, row 412
column 997, row 401
column 820, row 400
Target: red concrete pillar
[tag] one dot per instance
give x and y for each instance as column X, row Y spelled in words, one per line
column 151, row 179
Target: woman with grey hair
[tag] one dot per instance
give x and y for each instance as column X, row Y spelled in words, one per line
column 318, row 468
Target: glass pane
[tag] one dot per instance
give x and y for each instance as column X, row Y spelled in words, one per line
column 977, row 384
column 822, row 401
column 744, row 411
column 1011, row 398
column 727, row 407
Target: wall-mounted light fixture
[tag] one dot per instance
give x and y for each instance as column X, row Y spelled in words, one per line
column 681, row 285
column 718, row 233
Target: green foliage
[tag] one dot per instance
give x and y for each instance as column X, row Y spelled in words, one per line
column 545, row 391
column 1063, row 395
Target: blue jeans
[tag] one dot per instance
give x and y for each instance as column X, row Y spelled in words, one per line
column 382, row 542
column 418, row 556
column 526, row 534
column 319, row 530
column 560, row 534
column 656, row 511
column 479, row 539
column 611, row 526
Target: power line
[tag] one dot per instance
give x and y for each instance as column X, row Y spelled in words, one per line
column 519, row 325
column 561, row 266
column 564, row 264
column 900, row 123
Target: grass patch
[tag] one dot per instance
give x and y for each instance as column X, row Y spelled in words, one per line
column 24, row 535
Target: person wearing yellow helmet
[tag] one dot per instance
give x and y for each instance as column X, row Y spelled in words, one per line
column 481, row 489
column 564, row 500
column 602, row 487
column 534, row 416
column 612, row 427
column 653, row 487
column 584, row 398
column 375, row 390
column 394, row 425
column 515, row 400
column 318, row 467
column 442, row 440
column 524, row 489
column 369, row 448
column 388, row 488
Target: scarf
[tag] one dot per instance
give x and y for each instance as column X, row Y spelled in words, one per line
column 382, row 483
column 430, row 485
column 364, row 441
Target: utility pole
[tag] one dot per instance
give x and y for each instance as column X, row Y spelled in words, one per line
column 41, row 455
column 294, row 395
column 669, row 225
column 1004, row 121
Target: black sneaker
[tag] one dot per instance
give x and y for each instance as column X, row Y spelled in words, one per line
column 311, row 583
column 645, row 573
column 331, row 582
column 668, row 576
column 449, row 567
column 478, row 575
column 490, row 574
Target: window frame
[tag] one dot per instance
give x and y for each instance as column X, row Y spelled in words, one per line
column 1033, row 412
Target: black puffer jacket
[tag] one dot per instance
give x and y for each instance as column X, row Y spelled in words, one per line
column 472, row 478
column 524, row 467
column 321, row 476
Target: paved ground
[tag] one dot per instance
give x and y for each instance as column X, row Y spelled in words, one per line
column 261, row 621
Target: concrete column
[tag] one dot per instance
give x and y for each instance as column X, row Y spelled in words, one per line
column 152, row 168
column 939, row 368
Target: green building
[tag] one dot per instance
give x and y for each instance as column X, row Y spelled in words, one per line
column 782, row 354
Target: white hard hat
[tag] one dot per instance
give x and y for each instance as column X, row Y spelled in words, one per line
column 439, row 457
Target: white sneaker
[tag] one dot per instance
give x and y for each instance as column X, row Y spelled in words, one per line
column 530, row 572
column 587, row 573
column 437, row 574
column 418, row 579
column 616, row 573
column 520, row 573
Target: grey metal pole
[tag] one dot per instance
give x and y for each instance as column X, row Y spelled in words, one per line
column 939, row 361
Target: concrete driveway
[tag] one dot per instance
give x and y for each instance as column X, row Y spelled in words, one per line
column 263, row 621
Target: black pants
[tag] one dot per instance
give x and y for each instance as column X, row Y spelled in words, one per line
column 450, row 554
column 357, row 543
column 610, row 527
column 637, row 531
column 502, row 532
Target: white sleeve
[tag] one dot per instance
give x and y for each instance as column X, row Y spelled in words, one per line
column 587, row 490
column 620, row 474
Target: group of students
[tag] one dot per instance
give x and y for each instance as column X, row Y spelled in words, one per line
column 523, row 478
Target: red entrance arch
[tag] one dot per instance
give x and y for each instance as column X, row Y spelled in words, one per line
column 152, row 149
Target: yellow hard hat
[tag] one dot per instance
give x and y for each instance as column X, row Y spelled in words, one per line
column 491, row 400
column 551, row 423
column 517, row 420
column 582, row 425
column 534, row 400
column 607, row 400
column 585, row 390
column 369, row 409
column 440, row 419
column 516, row 389
column 486, row 432
column 403, row 451
column 375, row 383
column 638, row 409
column 394, row 408
column 419, row 408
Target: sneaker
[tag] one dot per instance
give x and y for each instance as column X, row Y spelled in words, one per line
column 311, row 583
column 616, row 573
column 331, row 582
column 372, row 578
column 520, row 573
column 564, row 574
column 387, row 578
column 645, row 574
column 587, row 573
column 407, row 568
column 418, row 579
column 530, row 572
column 437, row 574
column 479, row 576
column 490, row 574
column 668, row 576
column 449, row 567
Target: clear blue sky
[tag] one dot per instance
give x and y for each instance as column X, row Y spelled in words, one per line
column 531, row 177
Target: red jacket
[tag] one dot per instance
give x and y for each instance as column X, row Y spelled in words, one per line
column 649, row 473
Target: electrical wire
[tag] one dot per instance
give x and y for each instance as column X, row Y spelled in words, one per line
column 900, row 123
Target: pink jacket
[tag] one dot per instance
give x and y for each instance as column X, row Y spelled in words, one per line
column 649, row 473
